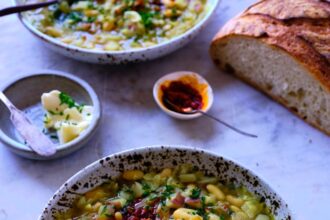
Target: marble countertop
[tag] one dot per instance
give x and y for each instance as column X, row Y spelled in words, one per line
column 289, row 154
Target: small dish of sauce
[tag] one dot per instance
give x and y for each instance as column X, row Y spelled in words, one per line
column 184, row 90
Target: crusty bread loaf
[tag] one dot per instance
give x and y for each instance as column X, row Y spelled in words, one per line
column 282, row 47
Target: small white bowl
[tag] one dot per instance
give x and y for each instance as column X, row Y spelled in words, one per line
column 207, row 93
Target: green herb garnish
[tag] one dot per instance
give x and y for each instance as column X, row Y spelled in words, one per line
column 66, row 99
column 90, row 19
column 75, row 17
column 146, row 189
column 195, row 193
column 55, row 113
column 80, row 107
column 147, row 18
column 167, row 192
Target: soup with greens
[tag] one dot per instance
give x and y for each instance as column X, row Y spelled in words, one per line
column 182, row 193
column 113, row 25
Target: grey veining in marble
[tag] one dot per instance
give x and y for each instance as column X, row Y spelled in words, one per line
column 292, row 156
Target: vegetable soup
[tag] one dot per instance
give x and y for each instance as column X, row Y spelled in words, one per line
column 114, row 25
column 182, row 193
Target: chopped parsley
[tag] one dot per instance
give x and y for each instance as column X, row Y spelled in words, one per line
column 68, row 100
column 55, row 113
column 147, row 18
column 202, row 211
column 91, row 19
column 195, row 193
column 167, row 192
column 80, row 107
column 51, row 112
column 75, row 17
column 146, row 189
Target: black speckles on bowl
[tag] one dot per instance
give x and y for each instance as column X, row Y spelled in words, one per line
column 148, row 158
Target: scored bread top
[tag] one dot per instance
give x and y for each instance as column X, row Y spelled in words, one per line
column 300, row 27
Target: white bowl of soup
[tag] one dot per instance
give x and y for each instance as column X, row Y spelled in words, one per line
column 115, row 31
column 163, row 183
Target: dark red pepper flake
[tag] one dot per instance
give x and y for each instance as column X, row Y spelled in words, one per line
column 181, row 95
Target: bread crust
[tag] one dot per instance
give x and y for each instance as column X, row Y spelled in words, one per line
column 292, row 26
column 300, row 28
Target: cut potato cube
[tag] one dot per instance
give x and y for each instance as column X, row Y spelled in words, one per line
column 67, row 132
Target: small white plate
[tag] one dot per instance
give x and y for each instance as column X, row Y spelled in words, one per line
column 25, row 93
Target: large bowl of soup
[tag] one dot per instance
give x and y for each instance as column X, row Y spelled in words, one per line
column 118, row 31
column 163, row 183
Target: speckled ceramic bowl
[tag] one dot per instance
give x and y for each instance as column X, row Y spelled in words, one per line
column 25, row 93
column 160, row 157
column 119, row 57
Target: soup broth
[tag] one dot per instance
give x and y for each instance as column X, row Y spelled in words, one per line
column 182, row 193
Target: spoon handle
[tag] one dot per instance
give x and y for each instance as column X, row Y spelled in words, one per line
column 6, row 101
column 27, row 7
column 228, row 125
column 34, row 138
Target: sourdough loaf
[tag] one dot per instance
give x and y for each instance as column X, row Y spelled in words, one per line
column 282, row 47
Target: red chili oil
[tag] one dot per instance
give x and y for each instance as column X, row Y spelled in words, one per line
column 181, row 95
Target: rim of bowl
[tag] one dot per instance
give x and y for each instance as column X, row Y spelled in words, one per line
column 211, row 9
column 61, row 147
column 174, row 75
column 92, row 167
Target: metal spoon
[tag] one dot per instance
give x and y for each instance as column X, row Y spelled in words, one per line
column 190, row 110
column 34, row 138
column 27, row 7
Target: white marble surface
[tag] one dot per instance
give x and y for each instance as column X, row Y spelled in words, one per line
column 289, row 154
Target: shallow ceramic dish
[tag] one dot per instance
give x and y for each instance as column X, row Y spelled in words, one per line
column 25, row 92
column 208, row 96
column 161, row 157
column 121, row 57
